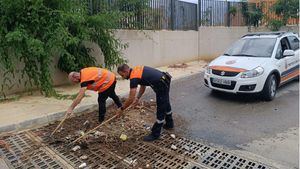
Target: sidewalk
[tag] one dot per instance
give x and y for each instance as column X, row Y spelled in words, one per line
column 36, row 110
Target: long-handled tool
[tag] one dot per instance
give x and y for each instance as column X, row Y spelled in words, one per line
column 92, row 130
column 58, row 126
column 152, row 111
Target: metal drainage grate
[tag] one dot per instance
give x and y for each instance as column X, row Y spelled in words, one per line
column 197, row 167
column 96, row 157
column 207, row 155
column 25, row 154
column 102, row 159
column 221, row 160
column 185, row 147
column 156, row 158
column 70, row 157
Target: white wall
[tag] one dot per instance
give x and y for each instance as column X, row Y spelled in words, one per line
column 157, row 48
column 213, row 41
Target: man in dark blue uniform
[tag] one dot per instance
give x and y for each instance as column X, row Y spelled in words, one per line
column 160, row 83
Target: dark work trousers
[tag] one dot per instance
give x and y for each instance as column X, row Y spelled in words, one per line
column 103, row 96
column 162, row 90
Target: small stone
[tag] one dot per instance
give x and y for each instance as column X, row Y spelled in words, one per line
column 186, row 148
column 173, row 136
column 84, row 157
column 82, row 165
column 173, row 147
column 75, row 148
column 99, row 134
column 147, row 127
column 79, row 132
column 86, row 123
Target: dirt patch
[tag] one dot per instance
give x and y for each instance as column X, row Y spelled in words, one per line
column 182, row 65
column 119, row 137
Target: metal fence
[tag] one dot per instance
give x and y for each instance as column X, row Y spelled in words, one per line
column 179, row 15
column 220, row 13
column 158, row 14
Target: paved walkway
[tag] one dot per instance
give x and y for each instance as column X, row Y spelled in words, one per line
column 31, row 111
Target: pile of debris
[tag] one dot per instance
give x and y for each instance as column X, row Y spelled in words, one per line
column 119, row 136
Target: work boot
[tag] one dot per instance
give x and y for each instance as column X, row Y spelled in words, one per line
column 156, row 129
column 150, row 138
column 169, row 122
column 101, row 119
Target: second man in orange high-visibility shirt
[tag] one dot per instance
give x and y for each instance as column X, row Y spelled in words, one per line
column 160, row 83
column 99, row 80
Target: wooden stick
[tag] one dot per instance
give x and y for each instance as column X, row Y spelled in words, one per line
column 58, row 126
column 112, row 118
column 148, row 109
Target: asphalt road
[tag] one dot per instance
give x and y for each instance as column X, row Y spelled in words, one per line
column 241, row 122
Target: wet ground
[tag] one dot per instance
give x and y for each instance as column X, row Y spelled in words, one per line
column 240, row 122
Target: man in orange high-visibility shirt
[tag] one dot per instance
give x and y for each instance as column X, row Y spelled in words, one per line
column 160, row 83
column 99, row 80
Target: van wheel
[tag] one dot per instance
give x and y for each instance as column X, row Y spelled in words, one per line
column 270, row 88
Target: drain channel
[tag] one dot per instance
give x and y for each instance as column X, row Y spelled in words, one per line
column 145, row 155
column 96, row 157
column 206, row 155
column 25, row 154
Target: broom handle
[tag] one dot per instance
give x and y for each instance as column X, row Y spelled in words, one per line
column 66, row 116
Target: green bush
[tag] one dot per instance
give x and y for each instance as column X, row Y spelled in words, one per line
column 253, row 14
column 33, row 32
column 232, row 10
column 286, row 9
column 275, row 25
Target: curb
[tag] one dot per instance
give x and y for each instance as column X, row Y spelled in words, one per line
column 48, row 119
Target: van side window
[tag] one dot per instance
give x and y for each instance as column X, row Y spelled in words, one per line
column 294, row 41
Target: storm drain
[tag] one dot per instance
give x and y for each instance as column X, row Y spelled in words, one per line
column 185, row 147
column 207, row 155
column 222, row 160
column 25, row 154
column 165, row 153
column 97, row 157
column 155, row 158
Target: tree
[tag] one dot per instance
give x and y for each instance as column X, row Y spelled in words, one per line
column 286, row 9
column 253, row 14
column 33, row 32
